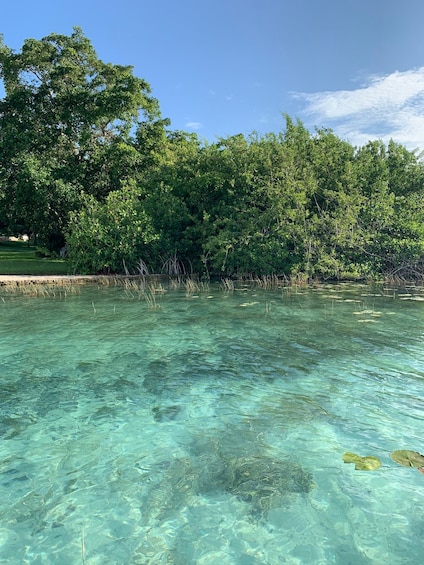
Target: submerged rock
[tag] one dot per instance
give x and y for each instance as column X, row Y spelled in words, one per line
column 264, row 482
column 166, row 413
column 261, row 482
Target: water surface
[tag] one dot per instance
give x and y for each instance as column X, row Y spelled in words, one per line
column 209, row 427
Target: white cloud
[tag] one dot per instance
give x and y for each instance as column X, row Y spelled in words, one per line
column 194, row 125
column 390, row 106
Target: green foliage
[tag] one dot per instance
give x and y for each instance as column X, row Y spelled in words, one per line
column 110, row 236
column 85, row 154
column 65, row 128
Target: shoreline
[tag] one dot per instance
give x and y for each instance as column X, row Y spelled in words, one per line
column 46, row 278
column 67, row 279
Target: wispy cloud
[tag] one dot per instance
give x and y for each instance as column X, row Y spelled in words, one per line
column 194, row 125
column 385, row 107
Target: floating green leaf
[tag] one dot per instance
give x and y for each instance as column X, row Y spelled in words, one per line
column 408, row 458
column 368, row 463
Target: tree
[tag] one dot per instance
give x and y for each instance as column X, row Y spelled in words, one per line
column 73, row 114
column 244, row 202
column 334, row 206
column 260, row 231
column 110, row 236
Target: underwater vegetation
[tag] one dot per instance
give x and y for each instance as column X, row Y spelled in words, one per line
column 261, row 482
column 264, row 482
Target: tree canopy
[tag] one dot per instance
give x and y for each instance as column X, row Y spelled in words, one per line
column 65, row 129
column 87, row 159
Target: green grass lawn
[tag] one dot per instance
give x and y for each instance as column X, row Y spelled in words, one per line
column 19, row 258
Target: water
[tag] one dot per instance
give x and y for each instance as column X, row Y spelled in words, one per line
column 209, row 428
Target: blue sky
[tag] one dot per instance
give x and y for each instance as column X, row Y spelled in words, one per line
column 222, row 67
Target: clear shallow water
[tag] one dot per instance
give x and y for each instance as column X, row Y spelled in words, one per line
column 210, row 430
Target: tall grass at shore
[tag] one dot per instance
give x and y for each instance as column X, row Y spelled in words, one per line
column 44, row 290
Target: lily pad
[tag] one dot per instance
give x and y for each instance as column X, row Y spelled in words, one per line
column 368, row 463
column 408, row 458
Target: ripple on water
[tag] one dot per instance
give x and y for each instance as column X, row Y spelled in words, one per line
column 211, row 430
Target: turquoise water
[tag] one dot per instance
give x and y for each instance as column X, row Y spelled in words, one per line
column 209, row 427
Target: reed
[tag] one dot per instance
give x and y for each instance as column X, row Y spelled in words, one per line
column 194, row 286
column 266, row 282
column 269, row 282
column 227, row 285
column 176, row 283
column 156, row 287
column 151, row 302
column 191, row 286
column 45, row 290
column 133, row 289
column 140, row 290
column 134, row 284
column 204, row 286
column 109, row 280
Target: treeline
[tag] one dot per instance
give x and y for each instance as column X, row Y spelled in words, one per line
column 87, row 162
